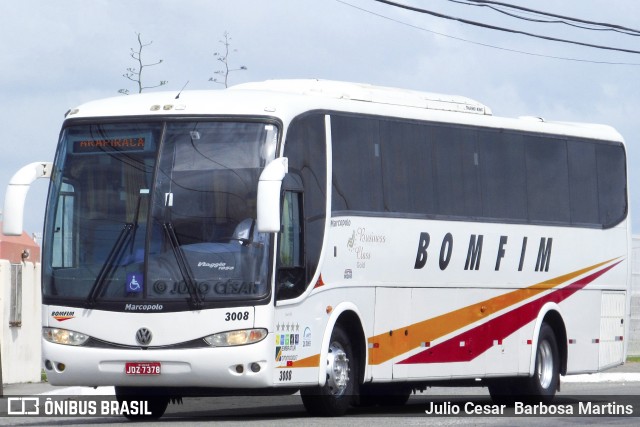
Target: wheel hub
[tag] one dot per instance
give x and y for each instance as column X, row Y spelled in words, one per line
column 545, row 365
column 337, row 369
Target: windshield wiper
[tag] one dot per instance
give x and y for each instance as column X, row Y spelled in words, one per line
column 109, row 264
column 114, row 254
column 194, row 298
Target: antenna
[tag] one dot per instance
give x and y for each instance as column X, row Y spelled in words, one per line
column 185, row 85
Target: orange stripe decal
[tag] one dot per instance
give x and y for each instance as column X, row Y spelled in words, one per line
column 500, row 326
column 388, row 345
column 307, row 362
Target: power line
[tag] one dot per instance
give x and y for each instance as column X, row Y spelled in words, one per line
column 485, row 44
column 503, row 29
column 563, row 19
column 544, row 21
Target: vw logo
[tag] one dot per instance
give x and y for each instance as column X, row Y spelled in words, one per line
column 143, row 336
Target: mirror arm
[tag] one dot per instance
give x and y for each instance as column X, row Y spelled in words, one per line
column 14, row 198
column 269, row 188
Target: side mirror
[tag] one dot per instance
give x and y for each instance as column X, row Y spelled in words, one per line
column 269, row 188
column 17, row 192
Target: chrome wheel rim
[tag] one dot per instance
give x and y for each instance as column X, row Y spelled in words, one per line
column 337, row 369
column 545, row 364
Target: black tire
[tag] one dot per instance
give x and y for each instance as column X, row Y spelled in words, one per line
column 502, row 391
column 384, row 395
column 542, row 386
column 336, row 395
column 156, row 402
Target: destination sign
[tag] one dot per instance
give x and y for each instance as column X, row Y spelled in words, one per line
column 134, row 143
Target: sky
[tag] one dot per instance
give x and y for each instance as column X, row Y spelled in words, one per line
column 56, row 55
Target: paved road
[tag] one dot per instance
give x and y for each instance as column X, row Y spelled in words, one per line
column 278, row 411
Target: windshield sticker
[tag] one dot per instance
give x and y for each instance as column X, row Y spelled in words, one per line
column 134, row 282
column 306, row 337
column 220, row 266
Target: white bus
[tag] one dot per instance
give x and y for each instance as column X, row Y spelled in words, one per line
column 348, row 241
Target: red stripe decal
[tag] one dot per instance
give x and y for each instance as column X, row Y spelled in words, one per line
column 477, row 339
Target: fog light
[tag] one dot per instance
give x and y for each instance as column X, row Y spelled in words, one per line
column 255, row 367
column 239, row 369
column 60, row 367
column 48, row 365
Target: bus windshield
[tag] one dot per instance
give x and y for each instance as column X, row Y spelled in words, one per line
column 157, row 213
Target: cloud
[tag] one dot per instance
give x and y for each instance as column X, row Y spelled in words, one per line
column 57, row 55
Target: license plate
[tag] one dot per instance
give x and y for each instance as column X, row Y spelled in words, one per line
column 142, row 368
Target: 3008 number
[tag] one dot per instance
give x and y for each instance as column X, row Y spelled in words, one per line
column 236, row 315
column 286, row 375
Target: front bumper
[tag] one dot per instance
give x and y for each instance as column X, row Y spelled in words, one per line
column 219, row 367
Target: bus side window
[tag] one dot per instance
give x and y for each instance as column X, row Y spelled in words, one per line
column 291, row 268
column 64, row 236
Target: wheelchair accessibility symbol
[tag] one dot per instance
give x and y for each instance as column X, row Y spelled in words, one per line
column 134, row 282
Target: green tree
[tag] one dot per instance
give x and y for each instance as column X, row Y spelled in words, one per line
column 135, row 73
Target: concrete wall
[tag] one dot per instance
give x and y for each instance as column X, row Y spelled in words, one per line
column 634, row 328
column 20, row 345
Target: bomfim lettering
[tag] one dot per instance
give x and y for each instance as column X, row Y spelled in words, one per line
column 474, row 252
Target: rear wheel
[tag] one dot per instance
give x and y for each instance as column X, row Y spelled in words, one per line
column 546, row 376
column 502, row 391
column 335, row 396
column 542, row 386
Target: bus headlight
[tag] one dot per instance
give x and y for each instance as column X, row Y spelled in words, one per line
column 239, row 337
column 64, row 336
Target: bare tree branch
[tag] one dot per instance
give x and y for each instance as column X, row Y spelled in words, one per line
column 135, row 74
column 224, row 59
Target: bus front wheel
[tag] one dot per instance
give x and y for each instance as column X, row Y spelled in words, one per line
column 335, row 396
column 138, row 403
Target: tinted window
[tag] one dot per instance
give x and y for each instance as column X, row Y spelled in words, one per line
column 433, row 169
column 612, row 184
column 547, row 179
column 456, row 166
column 503, row 180
column 407, row 168
column 357, row 175
column 583, row 182
column 306, row 149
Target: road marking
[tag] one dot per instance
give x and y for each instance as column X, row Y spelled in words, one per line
column 611, row 377
column 82, row 391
